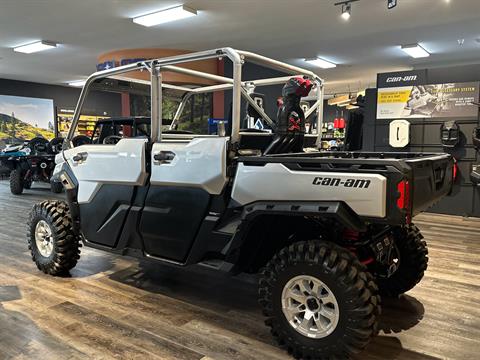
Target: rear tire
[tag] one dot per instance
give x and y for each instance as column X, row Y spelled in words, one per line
column 16, row 182
column 56, row 187
column 413, row 261
column 54, row 247
column 331, row 294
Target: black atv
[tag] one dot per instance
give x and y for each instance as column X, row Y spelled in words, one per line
column 32, row 161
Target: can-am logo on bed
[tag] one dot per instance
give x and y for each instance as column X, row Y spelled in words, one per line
column 348, row 183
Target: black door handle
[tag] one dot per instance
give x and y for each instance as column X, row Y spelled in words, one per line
column 80, row 157
column 164, row 156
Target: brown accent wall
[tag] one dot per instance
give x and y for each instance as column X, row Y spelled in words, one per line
column 219, row 96
column 209, row 66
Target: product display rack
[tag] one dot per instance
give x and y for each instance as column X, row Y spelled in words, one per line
column 86, row 123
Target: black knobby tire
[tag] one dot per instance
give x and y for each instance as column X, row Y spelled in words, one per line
column 56, row 187
column 413, row 261
column 352, row 285
column 66, row 245
column 16, row 182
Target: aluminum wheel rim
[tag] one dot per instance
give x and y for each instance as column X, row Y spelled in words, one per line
column 44, row 238
column 310, row 306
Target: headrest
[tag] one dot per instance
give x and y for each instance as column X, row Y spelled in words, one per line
column 297, row 86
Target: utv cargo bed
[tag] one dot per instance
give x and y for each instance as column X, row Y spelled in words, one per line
column 415, row 181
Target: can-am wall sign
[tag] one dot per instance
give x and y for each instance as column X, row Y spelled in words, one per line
column 406, row 95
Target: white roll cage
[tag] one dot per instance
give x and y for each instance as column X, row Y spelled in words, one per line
column 239, row 87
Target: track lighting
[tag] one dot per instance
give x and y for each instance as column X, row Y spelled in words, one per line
column 346, row 11
column 346, row 8
column 391, row 4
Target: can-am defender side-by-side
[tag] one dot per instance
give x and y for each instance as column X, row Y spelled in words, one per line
column 327, row 232
column 33, row 161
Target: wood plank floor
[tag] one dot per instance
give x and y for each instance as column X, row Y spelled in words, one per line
column 114, row 307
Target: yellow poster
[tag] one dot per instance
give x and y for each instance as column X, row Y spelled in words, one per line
column 428, row 101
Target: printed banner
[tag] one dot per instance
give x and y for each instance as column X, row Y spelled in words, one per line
column 23, row 118
column 428, row 101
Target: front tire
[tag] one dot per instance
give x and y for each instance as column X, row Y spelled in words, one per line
column 413, row 261
column 54, row 247
column 319, row 300
column 16, row 182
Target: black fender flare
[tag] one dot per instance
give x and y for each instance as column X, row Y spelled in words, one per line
column 338, row 211
column 66, row 176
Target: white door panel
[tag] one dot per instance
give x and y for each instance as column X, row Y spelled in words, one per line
column 198, row 163
column 123, row 164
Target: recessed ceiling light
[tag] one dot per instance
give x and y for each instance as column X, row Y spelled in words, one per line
column 35, row 47
column 77, row 83
column 324, row 64
column 415, row 51
column 164, row 16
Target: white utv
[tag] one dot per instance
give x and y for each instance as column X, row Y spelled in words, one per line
column 327, row 232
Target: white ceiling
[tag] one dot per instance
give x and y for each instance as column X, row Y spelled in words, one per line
column 289, row 30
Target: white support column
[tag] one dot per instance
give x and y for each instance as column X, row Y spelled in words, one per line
column 236, row 100
column 319, row 111
column 156, row 105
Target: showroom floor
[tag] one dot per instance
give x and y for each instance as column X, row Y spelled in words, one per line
column 116, row 307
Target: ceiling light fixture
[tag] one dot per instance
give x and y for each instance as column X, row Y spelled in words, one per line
column 164, row 16
column 35, row 47
column 415, row 51
column 346, row 8
column 391, row 4
column 321, row 63
column 77, row 83
column 346, row 11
